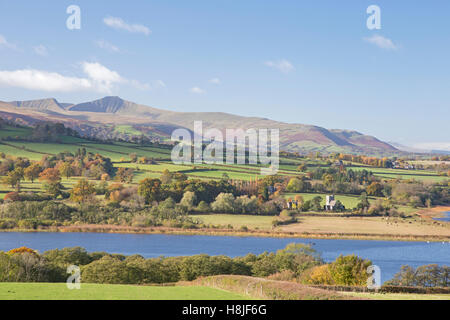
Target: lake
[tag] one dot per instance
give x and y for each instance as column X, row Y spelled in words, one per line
column 388, row 255
column 446, row 218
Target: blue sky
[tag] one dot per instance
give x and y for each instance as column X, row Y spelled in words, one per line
column 312, row 62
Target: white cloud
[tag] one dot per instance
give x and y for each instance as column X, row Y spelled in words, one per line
column 41, row 50
column 43, row 80
column 107, row 46
column 381, row 42
column 98, row 78
column 5, row 43
column 282, row 65
column 215, row 81
column 102, row 77
column 118, row 23
column 197, row 90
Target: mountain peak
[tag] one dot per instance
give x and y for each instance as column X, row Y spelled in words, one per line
column 47, row 104
column 148, row 120
column 109, row 104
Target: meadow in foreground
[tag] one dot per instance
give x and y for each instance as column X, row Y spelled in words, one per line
column 59, row 291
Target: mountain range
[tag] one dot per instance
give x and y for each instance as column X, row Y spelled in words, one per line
column 112, row 117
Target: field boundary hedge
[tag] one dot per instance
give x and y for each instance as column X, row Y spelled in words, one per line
column 387, row 289
column 260, row 288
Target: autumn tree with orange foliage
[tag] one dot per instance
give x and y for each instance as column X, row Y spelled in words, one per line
column 51, row 175
column 22, row 250
column 82, row 191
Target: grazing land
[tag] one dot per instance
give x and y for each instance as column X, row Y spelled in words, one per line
column 368, row 226
column 377, row 199
column 59, row 291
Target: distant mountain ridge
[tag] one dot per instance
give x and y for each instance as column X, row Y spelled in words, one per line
column 41, row 105
column 111, row 112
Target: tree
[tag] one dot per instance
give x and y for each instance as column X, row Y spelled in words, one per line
column 224, row 203
column 424, row 276
column 151, row 190
column 133, row 157
column 302, row 167
column 188, row 200
column 166, row 177
column 316, row 203
column 364, row 202
column 350, row 270
column 328, row 179
column 125, row 175
column 14, row 177
column 66, row 170
column 375, row 189
column 32, row 172
column 203, row 207
column 51, row 175
column 295, row 185
column 339, row 207
column 54, row 188
column 299, row 199
column 319, row 275
column 82, row 191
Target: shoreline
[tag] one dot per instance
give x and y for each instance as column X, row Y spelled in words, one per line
column 233, row 233
column 436, row 212
column 427, row 213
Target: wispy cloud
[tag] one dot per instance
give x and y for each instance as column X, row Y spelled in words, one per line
column 197, row 90
column 97, row 78
column 103, row 44
column 41, row 50
column 118, row 23
column 444, row 146
column 381, row 42
column 282, row 65
column 215, row 81
column 159, row 84
column 7, row 44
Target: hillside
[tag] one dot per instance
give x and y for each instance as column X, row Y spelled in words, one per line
column 110, row 117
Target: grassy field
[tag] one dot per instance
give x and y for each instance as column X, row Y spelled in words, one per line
column 127, row 130
column 203, row 291
column 37, row 186
column 120, row 151
column 13, row 132
column 419, row 175
column 367, row 225
column 59, row 291
column 349, row 201
column 237, row 221
column 332, row 225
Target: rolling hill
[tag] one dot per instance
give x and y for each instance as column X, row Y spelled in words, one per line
column 110, row 117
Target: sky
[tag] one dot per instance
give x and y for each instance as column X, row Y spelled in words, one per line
column 310, row 62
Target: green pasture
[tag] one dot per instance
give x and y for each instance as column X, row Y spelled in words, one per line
column 349, row 201
column 59, row 291
column 236, row 220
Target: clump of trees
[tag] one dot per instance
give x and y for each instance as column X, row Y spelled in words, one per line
column 100, row 267
column 431, row 275
column 345, row 270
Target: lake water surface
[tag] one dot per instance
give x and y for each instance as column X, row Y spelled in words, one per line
column 446, row 218
column 388, row 255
